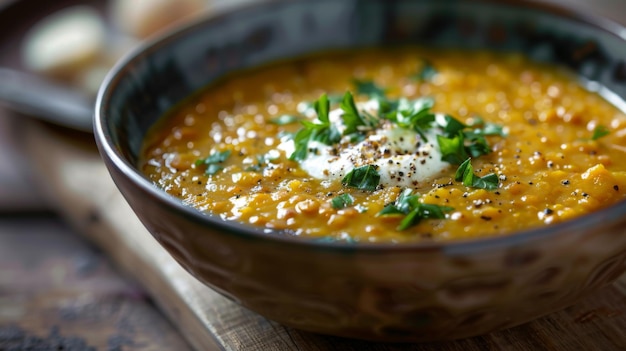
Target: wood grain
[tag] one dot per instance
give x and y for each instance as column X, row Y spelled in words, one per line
column 17, row 189
column 77, row 181
column 57, row 292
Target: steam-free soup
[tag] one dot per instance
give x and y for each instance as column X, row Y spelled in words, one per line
column 394, row 146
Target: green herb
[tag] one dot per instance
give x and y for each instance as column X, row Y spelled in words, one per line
column 322, row 131
column 351, row 117
column 462, row 141
column 415, row 115
column 408, row 204
column 465, row 173
column 482, row 129
column 262, row 161
column 342, row 201
column 213, row 160
column 478, row 147
column 369, row 88
column 363, row 178
column 213, row 169
column 284, row 120
column 599, row 132
column 427, row 72
column 387, row 108
column 301, row 142
column 452, row 126
column 452, row 149
column 304, row 106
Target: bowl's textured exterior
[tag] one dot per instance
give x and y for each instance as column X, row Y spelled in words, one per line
column 415, row 292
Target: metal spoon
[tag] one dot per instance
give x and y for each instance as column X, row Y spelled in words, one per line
column 37, row 97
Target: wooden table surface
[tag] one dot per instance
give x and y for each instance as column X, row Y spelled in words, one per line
column 66, row 285
column 57, row 290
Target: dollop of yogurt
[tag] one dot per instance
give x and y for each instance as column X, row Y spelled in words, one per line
column 401, row 156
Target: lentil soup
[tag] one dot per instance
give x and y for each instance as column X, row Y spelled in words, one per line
column 394, row 146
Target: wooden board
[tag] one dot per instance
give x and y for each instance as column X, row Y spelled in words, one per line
column 58, row 292
column 74, row 178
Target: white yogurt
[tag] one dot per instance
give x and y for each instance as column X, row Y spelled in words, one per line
column 402, row 157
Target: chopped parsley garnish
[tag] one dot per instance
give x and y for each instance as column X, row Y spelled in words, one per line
column 478, row 147
column 415, row 115
column 351, row 117
column 321, row 130
column 461, row 141
column 262, row 161
column 457, row 142
column 452, row 126
column 482, row 128
column 213, row 161
column 427, row 72
column 363, row 178
column 465, row 173
column 284, row 120
column 599, row 132
column 369, row 88
column 342, row 201
column 305, row 106
column 408, row 204
column 452, row 148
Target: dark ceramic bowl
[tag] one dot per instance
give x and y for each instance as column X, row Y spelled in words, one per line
column 413, row 292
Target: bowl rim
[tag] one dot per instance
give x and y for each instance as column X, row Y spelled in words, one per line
column 107, row 149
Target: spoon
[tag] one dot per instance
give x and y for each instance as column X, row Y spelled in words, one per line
column 37, row 97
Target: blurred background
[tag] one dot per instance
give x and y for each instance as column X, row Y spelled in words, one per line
column 63, row 49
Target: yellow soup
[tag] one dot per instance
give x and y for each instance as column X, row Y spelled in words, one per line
column 394, row 146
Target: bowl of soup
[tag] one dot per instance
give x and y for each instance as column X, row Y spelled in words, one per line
column 386, row 170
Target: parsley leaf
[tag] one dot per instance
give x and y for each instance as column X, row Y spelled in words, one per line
column 452, row 149
column 478, row 146
column 459, row 143
column 304, row 106
column 213, row 160
column 284, row 120
column 342, row 201
column 213, row 169
column 415, row 115
column 452, row 126
column 351, row 117
column 322, row 108
column 369, row 88
column 322, row 131
column 599, row 132
column 301, row 143
column 465, row 173
column 363, row 178
column 388, row 108
column 408, row 204
column 262, row 161
column 482, row 128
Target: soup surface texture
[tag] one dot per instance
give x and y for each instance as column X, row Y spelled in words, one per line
column 394, row 146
